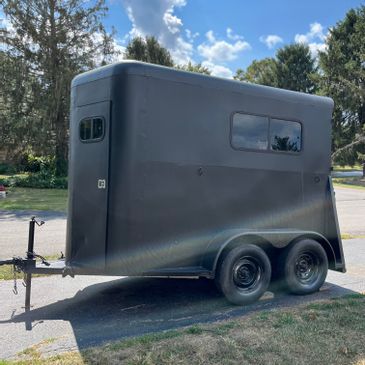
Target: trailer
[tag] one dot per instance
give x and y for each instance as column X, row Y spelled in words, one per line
column 177, row 174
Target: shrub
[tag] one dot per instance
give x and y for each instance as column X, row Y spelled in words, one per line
column 6, row 169
column 33, row 164
column 40, row 180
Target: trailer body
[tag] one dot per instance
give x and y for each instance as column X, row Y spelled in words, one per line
column 168, row 169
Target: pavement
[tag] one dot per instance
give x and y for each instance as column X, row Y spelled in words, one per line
column 49, row 239
column 351, row 210
column 70, row 314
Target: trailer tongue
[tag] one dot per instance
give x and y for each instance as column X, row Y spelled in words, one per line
column 28, row 265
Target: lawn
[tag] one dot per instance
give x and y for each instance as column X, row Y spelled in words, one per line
column 35, row 199
column 349, row 182
column 345, row 168
column 326, row 332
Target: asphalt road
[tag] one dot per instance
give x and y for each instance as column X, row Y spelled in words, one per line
column 76, row 313
column 351, row 210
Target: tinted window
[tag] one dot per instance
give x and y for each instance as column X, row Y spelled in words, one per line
column 285, row 135
column 91, row 129
column 85, row 129
column 250, row 131
column 98, row 129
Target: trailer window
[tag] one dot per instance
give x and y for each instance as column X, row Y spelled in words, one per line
column 250, row 131
column 91, row 129
column 285, row 135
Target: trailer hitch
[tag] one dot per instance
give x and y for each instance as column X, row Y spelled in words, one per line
column 27, row 264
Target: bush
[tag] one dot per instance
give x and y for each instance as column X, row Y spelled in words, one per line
column 6, row 169
column 40, row 180
column 33, row 164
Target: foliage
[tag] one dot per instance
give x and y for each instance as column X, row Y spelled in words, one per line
column 343, row 79
column 7, row 169
column 295, row 68
column 292, row 69
column 48, row 43
column 40, row 180
column 261, row 72
column 198, row 68
column 148, row 50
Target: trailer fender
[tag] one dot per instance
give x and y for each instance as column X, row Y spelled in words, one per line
column 270, row 241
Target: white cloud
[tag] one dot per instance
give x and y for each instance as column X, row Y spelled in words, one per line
column 232, row 35
column 157, row 18
column 218, row 70
column 190, row 35
column 271, row 40
column 219, row 50
column 315, row 38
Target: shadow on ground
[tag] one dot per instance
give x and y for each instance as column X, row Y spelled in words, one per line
column 135, row 306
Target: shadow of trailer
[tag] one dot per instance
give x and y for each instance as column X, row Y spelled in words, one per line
column 177, row 174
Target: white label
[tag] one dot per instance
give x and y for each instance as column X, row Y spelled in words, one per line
column 101, row 184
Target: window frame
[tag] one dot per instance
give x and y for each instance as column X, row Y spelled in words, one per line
column 92, row 140
column 269, row 149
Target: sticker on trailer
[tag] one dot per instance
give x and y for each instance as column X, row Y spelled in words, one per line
column 101, row 184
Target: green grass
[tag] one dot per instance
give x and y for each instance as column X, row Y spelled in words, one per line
column 353, row 183
column 349, row 236
column 357, row 167
column 326, row 332
column 35, row 199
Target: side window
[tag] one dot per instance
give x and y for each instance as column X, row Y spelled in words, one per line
column 91, row 129
column 85, row 129
column 250, row 131
column 285, row 135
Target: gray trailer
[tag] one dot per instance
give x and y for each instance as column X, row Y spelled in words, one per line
column 177, row 174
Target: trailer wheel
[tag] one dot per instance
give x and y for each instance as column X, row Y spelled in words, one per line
column 304, row 267
column 244, row 274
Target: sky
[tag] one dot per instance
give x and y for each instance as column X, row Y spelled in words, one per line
column 225, row 35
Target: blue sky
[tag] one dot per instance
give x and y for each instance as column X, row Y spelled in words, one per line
column 225, row 35
column 230, row 34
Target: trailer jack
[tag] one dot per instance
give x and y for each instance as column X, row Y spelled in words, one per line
column 28, row 266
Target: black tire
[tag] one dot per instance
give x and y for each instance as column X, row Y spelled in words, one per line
column 304, row 267
column 244, row 274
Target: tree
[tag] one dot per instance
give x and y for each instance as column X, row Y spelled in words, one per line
column 198, row 68
column 148, row 50
column 343, row 79
column 295, row 68
column 261, row 72
column 53, row 40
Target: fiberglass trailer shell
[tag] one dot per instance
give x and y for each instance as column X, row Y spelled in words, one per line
column 171, row 172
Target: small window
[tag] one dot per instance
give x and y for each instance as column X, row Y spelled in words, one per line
column 250, row 131
column 91, row 129
column 285, row 135
column 85, row 129
column 98, row 129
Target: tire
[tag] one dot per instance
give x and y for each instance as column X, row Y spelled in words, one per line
column 244, row 274
column 304, row 267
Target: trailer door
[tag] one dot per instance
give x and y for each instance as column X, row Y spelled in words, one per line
column 89, row 184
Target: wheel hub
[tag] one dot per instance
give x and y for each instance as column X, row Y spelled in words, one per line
column 306, row 267
column 246, row 273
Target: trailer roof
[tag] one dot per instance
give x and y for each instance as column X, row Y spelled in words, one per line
column 175, row 75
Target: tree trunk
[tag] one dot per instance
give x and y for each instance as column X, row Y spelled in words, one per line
column 61, row 145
